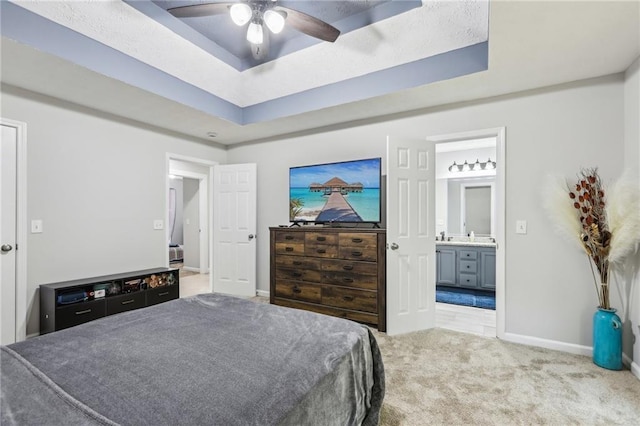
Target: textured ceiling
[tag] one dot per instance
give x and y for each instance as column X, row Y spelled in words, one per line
column 531, row 45
column 219, row 29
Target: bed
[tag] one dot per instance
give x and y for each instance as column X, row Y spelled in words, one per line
column 206, row 359
column 176, row 253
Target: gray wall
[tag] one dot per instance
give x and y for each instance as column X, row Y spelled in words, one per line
column 557, row 130
column 98, row 183
column 191, row 223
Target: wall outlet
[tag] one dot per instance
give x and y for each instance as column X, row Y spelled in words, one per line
column 521, row 226
column 36, row 226
column 158, row 224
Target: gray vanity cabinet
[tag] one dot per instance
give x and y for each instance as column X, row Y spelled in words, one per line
column 466, row 266
column 446, row 266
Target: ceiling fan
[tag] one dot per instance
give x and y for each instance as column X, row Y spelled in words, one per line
column 258, row 13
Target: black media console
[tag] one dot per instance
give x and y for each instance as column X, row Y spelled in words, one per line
column 69, row 303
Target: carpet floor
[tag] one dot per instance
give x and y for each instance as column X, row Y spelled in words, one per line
column 444, row 377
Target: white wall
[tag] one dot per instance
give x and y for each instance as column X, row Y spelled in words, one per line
column 549, row 288
column 97, row 183
column 632, row 162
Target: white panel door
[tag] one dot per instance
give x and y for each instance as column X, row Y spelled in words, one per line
column 234, row 229
column 8, row 156
column 411, row 247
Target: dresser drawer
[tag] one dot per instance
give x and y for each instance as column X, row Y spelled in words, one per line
column 369, row 254
column 468, row 266
column 328, row 310
column 162, row 294
column 298, row 275
column 320, row 250
column 359, row 268
column 293, row 248
column 357, row 300
column 353, row 239
column 468, row 254
column 323, row 238
column 468, row 280
column 348, row 279
column 125, row 302
column 292, row 290
column 290, row 237
column 79, row 313
column 298, row 262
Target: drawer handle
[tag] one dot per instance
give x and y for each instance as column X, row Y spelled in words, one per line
column 321, row 239
column 288, row 237
column 347, row 280
column 163, row 294
column 296, row 274
column 348, row 267
column 86, row 311
column 288, row 249
column 297, row 263
column 321, row 251
column 296, row 290
column 126, row 302
column 356, row 240
column 348, row 298
column 356, row 253
column 468, row 266
column 468, row 280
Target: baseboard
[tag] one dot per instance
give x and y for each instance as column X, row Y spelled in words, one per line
column 191, row 268
column 264, row 293
column 549, row 344
column 635, row 369
column 29, row 336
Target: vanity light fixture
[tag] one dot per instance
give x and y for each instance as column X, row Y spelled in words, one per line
column 477, row 166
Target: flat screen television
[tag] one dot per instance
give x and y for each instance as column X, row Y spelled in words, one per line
column 344, row 192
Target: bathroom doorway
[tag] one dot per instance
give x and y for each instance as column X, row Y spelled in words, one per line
column 469, row 227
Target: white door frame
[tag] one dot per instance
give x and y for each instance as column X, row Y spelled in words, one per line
column 21, row 226
column 206, row 207
column 500, row 203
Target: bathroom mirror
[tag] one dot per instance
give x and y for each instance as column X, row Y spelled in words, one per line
column 470, row 206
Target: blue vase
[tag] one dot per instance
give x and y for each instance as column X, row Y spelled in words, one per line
column 607, row 339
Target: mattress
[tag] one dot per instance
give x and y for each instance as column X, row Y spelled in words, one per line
column 206, row 359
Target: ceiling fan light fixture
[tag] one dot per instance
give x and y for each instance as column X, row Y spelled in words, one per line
column 240, row 13
column 274, row 20
column 254, row 33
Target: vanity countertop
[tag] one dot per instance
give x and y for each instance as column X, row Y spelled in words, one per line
column 466, row 243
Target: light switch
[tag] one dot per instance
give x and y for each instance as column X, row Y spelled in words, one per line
column 521, row 226
column 36, row 226
column 158, row 224
column 187, row 221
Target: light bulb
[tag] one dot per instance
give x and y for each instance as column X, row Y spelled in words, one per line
column 490, row 164
column 240, row 13
column 254, row 33
column 274, row 20
column 453, row 167
column 465, row 167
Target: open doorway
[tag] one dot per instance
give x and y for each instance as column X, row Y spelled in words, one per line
column 469, row 228
column 189, row 207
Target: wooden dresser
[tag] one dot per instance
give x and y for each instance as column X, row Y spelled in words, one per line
column 332, row 271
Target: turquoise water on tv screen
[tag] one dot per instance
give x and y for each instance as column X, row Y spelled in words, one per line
column 365, row 203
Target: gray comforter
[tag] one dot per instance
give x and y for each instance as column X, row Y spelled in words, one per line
column 208, row 359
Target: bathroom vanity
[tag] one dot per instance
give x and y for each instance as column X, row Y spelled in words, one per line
column 466, row 265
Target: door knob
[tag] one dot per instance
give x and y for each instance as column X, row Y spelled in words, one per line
column 251, row 237
column 6, row 248
column 394, row 246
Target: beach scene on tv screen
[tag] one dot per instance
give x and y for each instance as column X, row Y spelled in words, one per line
column 338, row 192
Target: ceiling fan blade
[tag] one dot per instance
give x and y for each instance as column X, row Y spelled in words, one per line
column 196, row 10
column 309, row 25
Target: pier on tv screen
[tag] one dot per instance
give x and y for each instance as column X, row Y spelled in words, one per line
column 347, row 191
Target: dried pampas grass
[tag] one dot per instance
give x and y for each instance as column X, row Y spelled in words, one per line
column 623, row 214
column 556, row 203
